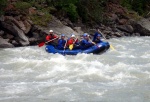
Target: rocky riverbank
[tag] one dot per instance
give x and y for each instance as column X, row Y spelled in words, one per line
column 17, row 29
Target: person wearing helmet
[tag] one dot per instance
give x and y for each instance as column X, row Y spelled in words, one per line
column 72, row 41
column 85, row 42
column 61, row 42
column 51, row 37
column 98, row 39
column 97, row 33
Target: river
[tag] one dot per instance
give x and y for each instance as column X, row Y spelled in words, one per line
column 29, row 74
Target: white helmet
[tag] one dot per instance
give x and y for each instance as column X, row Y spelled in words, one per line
column 50, row 30
column 72, row 35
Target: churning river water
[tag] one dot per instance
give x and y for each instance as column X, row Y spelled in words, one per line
column 29, row 74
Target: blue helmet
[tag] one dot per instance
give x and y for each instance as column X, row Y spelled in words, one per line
column 99, row 35
column 85, row 34
column 62, row 34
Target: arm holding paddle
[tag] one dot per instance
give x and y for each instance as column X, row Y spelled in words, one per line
column 72, row 41
column 43, row 43
column 50, row 37
column 105, row 39
column 71, row 46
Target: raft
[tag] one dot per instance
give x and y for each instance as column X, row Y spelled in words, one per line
column 95, row 49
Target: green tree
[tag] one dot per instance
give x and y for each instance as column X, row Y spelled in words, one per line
column 138, row 6
column 3, row 4
column 72, row 12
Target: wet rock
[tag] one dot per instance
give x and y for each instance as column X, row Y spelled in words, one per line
column 8, row 36
column 15, row 43
column 135, row 34
column 2, row 18
column 1, row 32
column 16, row 32
column 23, row 25
column 113, row 17
column 4, row 43
column 22, row 38
column 117, row 34
column 32, row 10
column 127, row 34
column 33, row 41
column 148, row 18
column 142, row 26
column 122, row 21
column 59, row 28
column 78, row 30
column 27, row 26
column 126, row 28
column 16, row 22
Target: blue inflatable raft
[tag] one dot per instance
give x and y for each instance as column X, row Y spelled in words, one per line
column 95, row 49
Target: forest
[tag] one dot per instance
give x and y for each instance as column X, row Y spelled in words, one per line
column 79, row 9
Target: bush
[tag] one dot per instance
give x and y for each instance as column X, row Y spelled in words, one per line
column 3, row 4
column 139, row 6
column 127, row 4
column 41, row 20
column 91, row 10
column 22, row 5
column 72, row 12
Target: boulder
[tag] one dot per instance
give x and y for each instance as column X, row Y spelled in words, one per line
column 27, row 26
column 122, row 21
column 15, row 43
column 17, row 32
column 2, row 18
column 33, row 41
column 5, row 44
column 59, row 28
column 113, row 17
column 142, row 26
column 1, row 32
column 126, row 28
column 117, row 34
column 22, row 38
column 9, row 36
column 78, row 30
column 23, row 25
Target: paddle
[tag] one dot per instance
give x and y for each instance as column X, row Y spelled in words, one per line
column 65, row 46
column 105, row 39
column 43, row 43
column 71, row 46
column 93, row 42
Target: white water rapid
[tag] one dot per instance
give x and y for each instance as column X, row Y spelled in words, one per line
column 29, row 74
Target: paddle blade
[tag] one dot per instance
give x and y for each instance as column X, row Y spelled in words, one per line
column 71, row 46
column 112, row 47
column 41, row 44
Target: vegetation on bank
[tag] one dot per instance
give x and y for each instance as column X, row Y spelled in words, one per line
column 142, row 7
column 3, row 4
column 86, row 10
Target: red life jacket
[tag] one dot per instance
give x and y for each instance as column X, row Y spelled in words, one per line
column 50, row 37
column 71, row 41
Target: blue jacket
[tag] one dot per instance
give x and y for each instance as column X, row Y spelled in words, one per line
column 95, row 35
column 84, row 44
column 61, row 44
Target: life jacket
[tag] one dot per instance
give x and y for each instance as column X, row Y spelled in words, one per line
column 95, row 35
column 61, row 43
column 70, row 41
column 50, row 37
column 97, row 40
column 84, row 44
